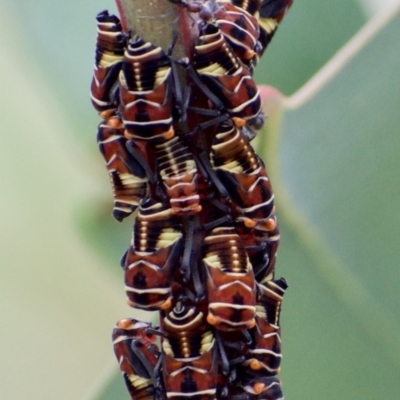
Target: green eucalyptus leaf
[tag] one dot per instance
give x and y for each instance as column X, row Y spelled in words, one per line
column 333, row 154
column 310, row 34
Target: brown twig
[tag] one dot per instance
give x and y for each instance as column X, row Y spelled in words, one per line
column 157, row 22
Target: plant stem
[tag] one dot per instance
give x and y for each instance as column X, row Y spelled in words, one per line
column 156, row 21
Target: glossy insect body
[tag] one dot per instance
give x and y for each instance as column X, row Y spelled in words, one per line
column 137, row 356
column 230, row 281
column 262, row 388
column 253, row 195
column 109, row 55
column 153, row 256
column 219, row 305
column 232, row 152
column 243, row 175
column 128, row 179
column 178, row 172
column 146, row 93
column 226, row 76
column 146, row 103
column 236, row 22
column 271, row 14
column 261, row 246
column 239, row 27
column 265, row 352
column 189, row 354
column 250, row 6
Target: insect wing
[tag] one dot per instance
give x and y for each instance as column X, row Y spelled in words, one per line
column 189, row 354
column 146, row 92
column 109, row 55
column 226, row 75
column 230, row 280
column 137, row 356
column 152, row 257
column 271, row 14
column 128, row 179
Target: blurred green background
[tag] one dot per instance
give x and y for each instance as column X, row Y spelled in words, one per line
column 334, row 162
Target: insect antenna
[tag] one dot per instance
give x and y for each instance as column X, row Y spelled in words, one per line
column 247, row 337
column 187, row 253
column 205, row 161
column 205, row 111
column 154, row 331
column 234, row 345
column 157, row 379
column 260, row 269
column 242, row 396
column 130, row 145
column 198, row 284
column 204, row 88
column 223, row 357
column 237, row 360
column 140, row 363
column 173, row 43
column 181, row 97
column 215, row 121
column 221, row 206
column 220, row 221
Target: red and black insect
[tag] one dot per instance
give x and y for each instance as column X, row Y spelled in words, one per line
column 271, row 14
column 146, row 92
column 206, row 264
column 261, row 246
column 250, row 6
column 244, row 177
column 147, row 104
column 264, row 354
column 128, row 178
column 229, row 281
column 261, row 388
column 138, row 358
column 178, row 172
column 153, row 256
column 190, row 360
column 237, row 24
column 239, row 28
column 226, row 76
column 110, row 48
column 248, row 25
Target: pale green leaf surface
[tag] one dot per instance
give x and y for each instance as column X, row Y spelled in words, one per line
column 334, row 162
column 310, row 34
column 58, row 303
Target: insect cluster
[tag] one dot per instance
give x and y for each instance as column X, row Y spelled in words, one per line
column 176, row 140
